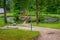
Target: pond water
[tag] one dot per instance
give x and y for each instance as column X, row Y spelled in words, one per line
column 50, row 20
column 9, row 19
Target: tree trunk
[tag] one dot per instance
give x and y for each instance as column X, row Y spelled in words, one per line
column 37, row 11
column 5, row 17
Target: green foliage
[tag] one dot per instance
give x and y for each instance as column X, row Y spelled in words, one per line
column 16, row 15
column 19, row 4
column 41, row 18
column 1, row 3
column 8, row 6
column 48, row 6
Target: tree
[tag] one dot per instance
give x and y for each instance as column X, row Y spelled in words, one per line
column 37, row 11
column 1, row 3
column 5, row 17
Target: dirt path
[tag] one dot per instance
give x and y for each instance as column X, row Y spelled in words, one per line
column 46, row 33
column 49, row 34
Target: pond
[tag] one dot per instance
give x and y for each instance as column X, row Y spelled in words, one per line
column 51, row 20
column 9, row 19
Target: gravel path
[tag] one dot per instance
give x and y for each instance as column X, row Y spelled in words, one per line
column 46, row 33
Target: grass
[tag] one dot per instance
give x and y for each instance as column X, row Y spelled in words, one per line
column 15, row 34
column 2, row 22
column 8, row 14
column 47, row 25
column 44, row 25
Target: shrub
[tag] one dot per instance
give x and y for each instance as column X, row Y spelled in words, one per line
column 41, row 18
column 16, row 15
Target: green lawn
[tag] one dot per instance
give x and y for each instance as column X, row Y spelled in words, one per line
column 8, row 14
column 47, row 25
column 1, row 22
column 15, row 34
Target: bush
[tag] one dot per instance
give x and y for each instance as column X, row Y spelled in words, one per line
column 41, row 18
column 16, row 15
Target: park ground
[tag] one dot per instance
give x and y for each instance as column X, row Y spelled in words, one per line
column 38, row 32
column 47, row 31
